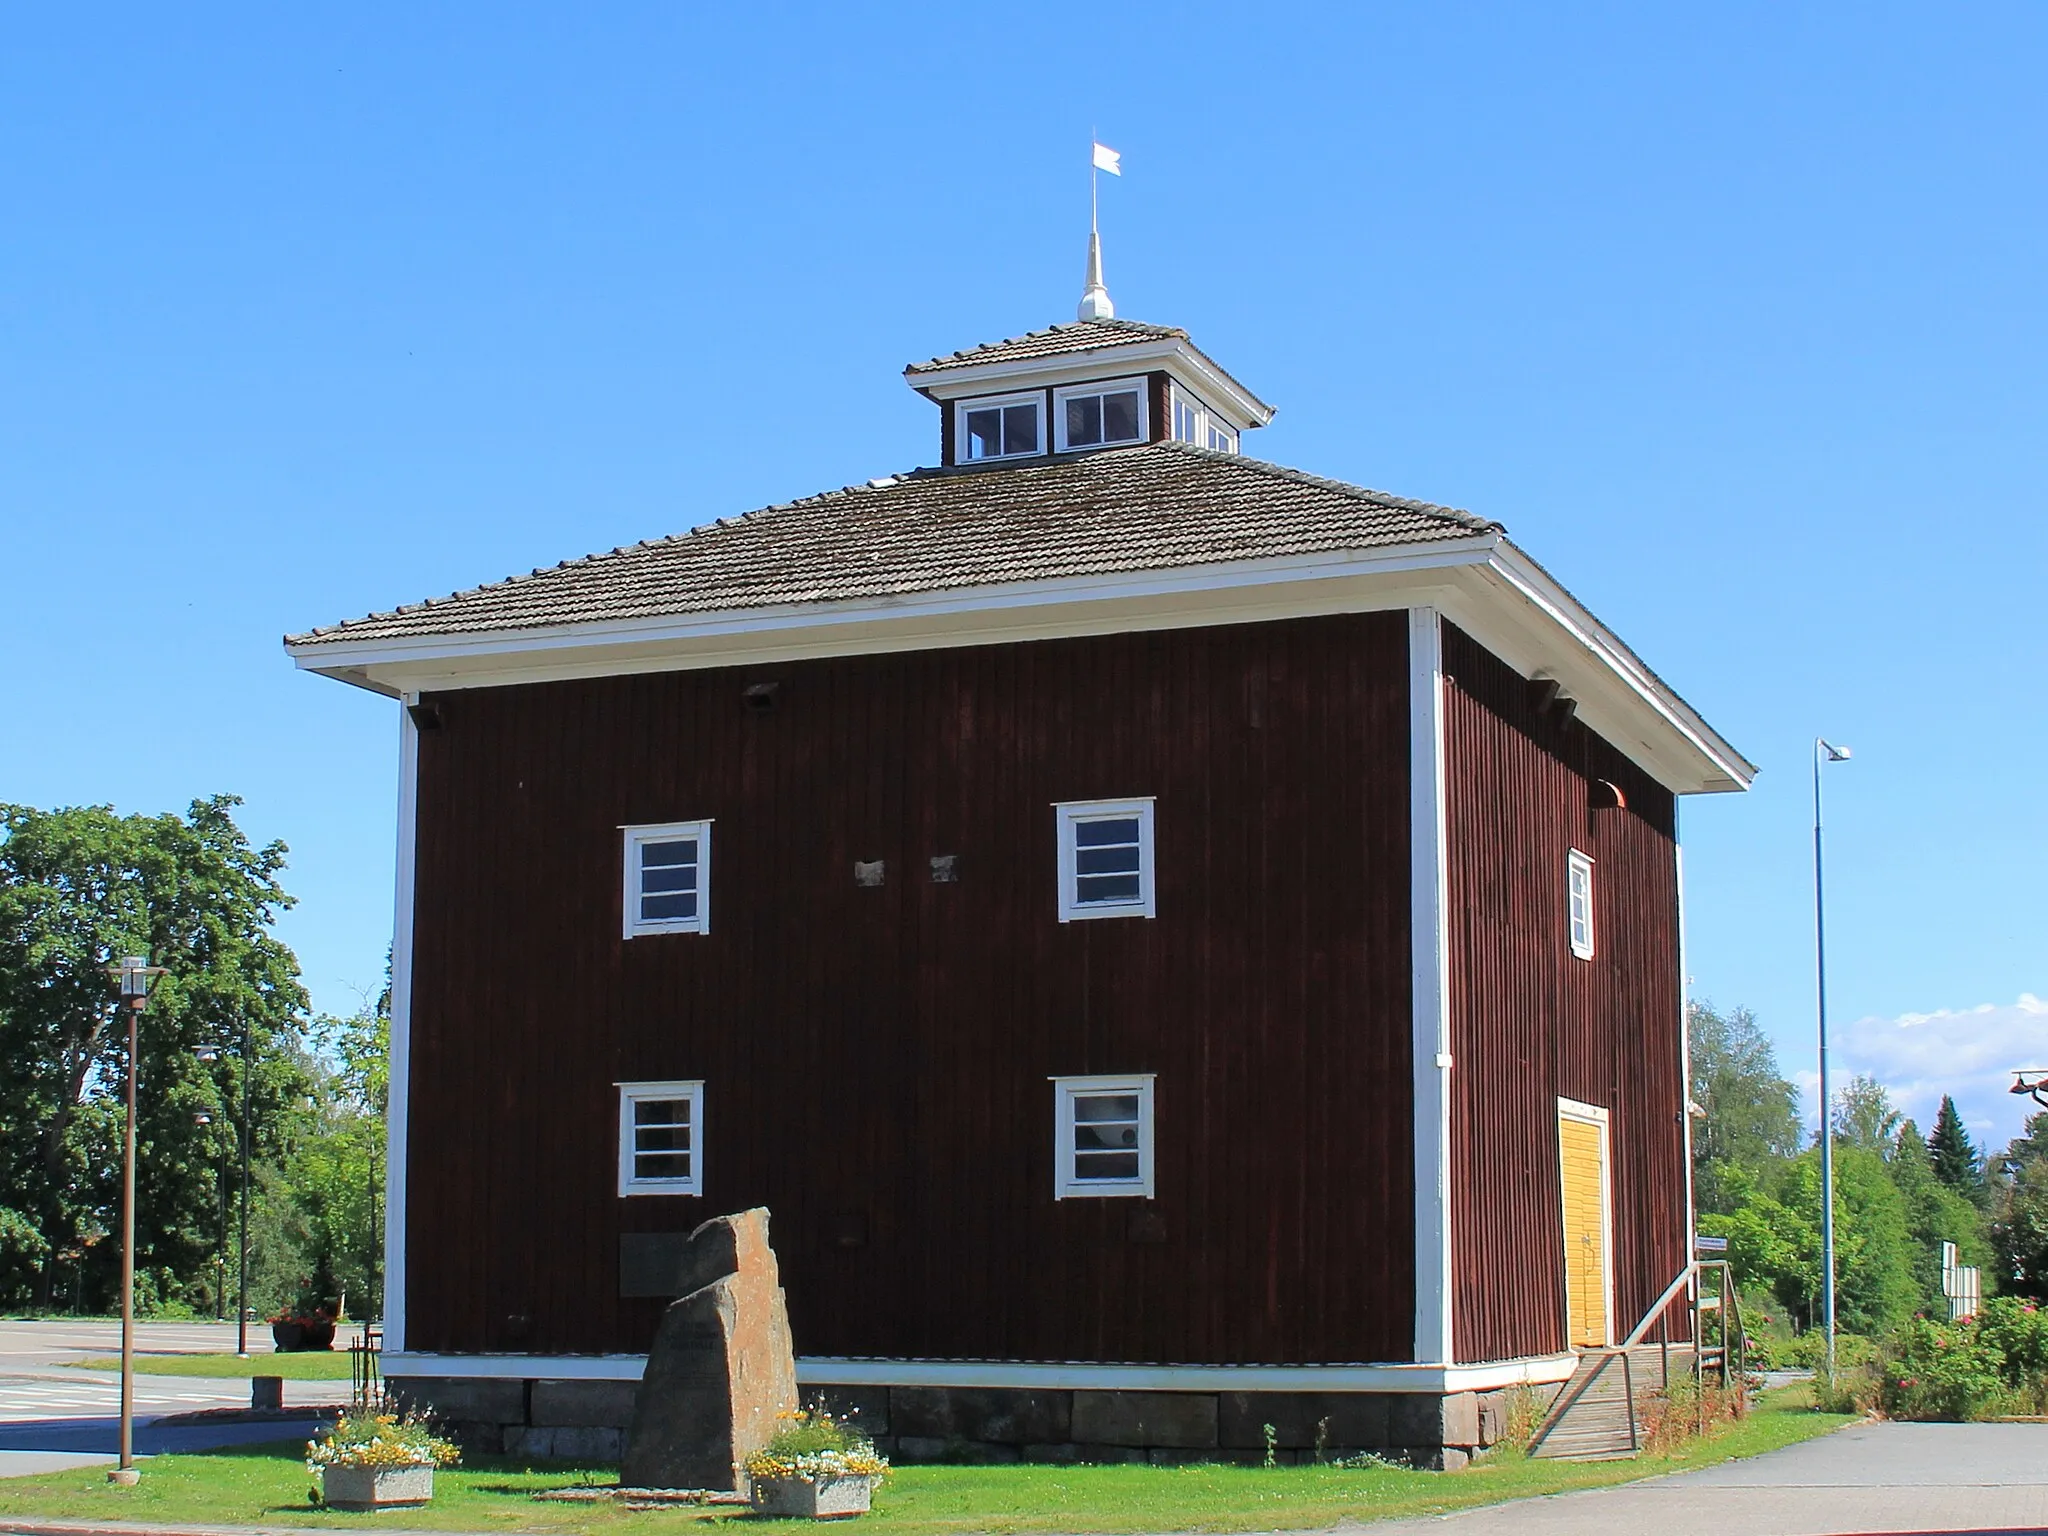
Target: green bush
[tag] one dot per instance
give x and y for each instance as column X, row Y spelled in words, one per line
column 1945, row 1371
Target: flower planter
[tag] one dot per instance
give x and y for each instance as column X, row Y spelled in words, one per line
column 295, row 1338
column 376, row 1487
column 808, row 1498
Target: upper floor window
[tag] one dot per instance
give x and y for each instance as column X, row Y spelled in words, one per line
column 661, row 1138
column 1194, row 422
column 1105, row 859
column 1003, row 428
column 1102, row 1136
column 1579, row 879
column 1092, row 415
column 668, row 878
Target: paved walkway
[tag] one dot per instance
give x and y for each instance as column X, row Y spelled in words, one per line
column 53, row 1416
column 1870, row 1478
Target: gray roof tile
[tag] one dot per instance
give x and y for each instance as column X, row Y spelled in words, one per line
column 1074, row 336
column 1157, row 507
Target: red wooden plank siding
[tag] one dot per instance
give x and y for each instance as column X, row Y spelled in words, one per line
column 883, row 1054
column 1531, row 1022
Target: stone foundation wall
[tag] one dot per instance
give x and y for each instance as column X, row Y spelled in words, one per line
column 586, row 1421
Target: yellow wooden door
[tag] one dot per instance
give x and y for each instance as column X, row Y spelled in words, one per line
column 1583, row 1148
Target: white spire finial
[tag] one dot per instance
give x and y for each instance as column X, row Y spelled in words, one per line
column 1095, row 304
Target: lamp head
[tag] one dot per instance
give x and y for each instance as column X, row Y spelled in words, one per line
column 1836, row 754
column 2032, row 1082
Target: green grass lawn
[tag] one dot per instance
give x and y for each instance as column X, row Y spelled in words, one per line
column 308, row 1365
column 269, row 1485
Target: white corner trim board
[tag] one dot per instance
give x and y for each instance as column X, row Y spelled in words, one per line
column 399, row 1087
column 821, row 1370
column 1429, row 926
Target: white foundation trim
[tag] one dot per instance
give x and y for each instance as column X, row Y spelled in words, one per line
column 401, row 1034
column 1045, row 1375
column 1429, row 926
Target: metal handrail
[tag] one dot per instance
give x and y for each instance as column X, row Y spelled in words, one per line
column 1731, row 1316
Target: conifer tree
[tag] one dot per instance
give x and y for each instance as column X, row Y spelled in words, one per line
column 1956, row 1162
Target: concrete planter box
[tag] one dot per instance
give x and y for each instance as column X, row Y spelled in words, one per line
column 376, row 1487
column 804, row 1498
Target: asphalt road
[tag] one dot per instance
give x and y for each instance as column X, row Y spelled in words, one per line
column 1985, row 1479
column 53, row 1415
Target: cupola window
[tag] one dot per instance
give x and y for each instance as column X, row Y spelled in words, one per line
column 1194, row 422
column 1004, row 428
column 1096, row 415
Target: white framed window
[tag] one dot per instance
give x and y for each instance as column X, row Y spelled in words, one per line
column 1105, row 858
column 661, row 1138
column 1102, row 1136
column 999, row 427
column 1095, row 415
column 1579, row 888
column 1194, row 422
column 668, row 878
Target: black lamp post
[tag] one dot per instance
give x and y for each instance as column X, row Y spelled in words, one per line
column 208, row 1053
column 132, row 977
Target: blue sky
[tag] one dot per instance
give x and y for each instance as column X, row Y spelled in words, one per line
column 1734, row 317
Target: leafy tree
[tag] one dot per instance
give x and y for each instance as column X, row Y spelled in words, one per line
column 1864, row 1116
column 1751, row 1113
column 1774, row 1237
column 1935, row 1214
column 2019, row 1227
column 79, row 888
column 1956, row 1162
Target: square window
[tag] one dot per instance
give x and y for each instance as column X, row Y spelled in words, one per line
column 668, row 879
column 1096, row 415
column 1194, row 422
column 1579, row 880
column 1105, row 859
column 1102, row 1136
column 999, row 429
column 661, row 1131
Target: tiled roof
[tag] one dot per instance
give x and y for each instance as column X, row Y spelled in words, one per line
column 1074, row 336
column 1158, row 507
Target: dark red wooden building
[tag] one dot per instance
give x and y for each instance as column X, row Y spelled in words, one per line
column 1178, row 944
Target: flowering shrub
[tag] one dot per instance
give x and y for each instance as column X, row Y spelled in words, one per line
column 1946, row 1371
column 814, row 1445
column 386, row 1441
column 2017, row 1331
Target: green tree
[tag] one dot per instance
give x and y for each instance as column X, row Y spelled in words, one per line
column 2019, row 1227
column 1750, row 1113
column 1956, row 1162
column 1935, row 1214
column 1864, row 1116
column 80, row 887
column 1774, row 1238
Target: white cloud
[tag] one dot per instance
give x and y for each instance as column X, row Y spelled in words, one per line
column 1969, row 1053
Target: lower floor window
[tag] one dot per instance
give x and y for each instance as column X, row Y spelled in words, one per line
column 661, row 1129
column 1102, row 1136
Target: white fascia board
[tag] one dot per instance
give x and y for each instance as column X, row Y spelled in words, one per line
column 1184, row 362
column 1483, row 584
column 1108, row 603
column 1618, row 696
column 821, row 1370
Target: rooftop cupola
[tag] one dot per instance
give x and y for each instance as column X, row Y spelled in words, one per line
column 1096, row 383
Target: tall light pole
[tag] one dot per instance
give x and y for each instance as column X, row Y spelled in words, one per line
column 132, row 976
column 1824, row 752
column 208, row 1053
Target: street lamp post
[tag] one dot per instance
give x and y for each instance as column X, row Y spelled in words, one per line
column 1824, row 752
column 132, row 976
column 208, row 1053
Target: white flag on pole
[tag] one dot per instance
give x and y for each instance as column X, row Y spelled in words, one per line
column 1107, row 159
